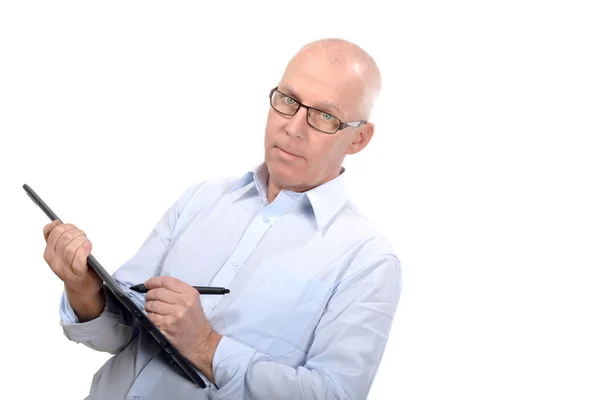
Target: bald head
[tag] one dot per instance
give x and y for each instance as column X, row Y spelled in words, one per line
column 351, row 59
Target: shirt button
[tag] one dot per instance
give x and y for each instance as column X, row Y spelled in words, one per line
column 266, row 220
column 234, row 263
column 136, row 398
column 204, row 309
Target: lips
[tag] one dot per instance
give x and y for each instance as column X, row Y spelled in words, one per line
column 288, row 152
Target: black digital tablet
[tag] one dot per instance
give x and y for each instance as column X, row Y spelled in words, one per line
column 124, row 298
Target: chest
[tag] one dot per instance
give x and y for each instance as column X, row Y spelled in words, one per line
column 279, row 268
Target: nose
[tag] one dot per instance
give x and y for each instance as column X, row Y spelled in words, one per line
column 297, row 126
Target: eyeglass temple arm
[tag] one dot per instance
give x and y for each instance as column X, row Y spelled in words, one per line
column 354, row 124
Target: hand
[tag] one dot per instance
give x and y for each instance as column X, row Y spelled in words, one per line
column 67, row 250
column 175, row 308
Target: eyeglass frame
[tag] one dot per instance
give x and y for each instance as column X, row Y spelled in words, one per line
column 342, row 125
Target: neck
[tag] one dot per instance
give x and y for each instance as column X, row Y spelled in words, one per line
column 273, row 188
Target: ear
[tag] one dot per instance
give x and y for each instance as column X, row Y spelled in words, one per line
column 362, row 137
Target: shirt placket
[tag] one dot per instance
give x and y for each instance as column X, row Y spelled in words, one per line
column 259, row 226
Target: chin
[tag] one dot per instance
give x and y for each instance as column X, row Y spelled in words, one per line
column 285, row 174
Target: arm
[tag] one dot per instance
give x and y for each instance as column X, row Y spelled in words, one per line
column 342, row 362
column 109, row 329
column 86, row 306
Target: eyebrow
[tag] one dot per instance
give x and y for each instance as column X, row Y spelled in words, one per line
column 323, row 104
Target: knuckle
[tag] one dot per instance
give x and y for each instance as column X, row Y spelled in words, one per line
column 153, row 294
column 159, row 293
column 66, row 231
column 70, row 235
column 47, row 229
column 69, row 253
column 61, row 229
column 62, row 240
column 151, row 281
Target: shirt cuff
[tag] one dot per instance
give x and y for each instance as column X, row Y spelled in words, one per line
column 82, row 331
column 230, row 363
column 67, row 315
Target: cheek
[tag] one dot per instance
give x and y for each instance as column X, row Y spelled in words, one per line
column 274, row 121
column 328, row 149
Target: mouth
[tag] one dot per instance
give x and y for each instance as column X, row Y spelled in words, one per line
column 286, row 153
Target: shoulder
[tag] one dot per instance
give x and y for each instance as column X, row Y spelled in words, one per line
column 372, row 248
column 206, row 191
column 214, row 185
column 355, row 222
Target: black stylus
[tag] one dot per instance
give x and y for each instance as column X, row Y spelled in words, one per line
column 201, row 289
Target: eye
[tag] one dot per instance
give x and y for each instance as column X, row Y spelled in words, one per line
column 326, row 117
column 289, row 100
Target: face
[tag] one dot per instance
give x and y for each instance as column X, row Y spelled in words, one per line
column 298, row 156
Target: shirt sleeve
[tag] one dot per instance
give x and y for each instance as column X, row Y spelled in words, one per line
column 346, row 352
column 113, row 329
column 109, row 332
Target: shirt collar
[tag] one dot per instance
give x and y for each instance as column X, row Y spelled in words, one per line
column 326, row 199
column 257, row 175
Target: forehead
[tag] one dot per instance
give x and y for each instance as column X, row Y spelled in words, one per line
column 325, row 105
column 318, row 82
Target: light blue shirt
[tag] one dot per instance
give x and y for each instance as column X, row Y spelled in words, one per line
column 314, row 290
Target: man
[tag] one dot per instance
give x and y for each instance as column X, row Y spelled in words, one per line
column 314, row 288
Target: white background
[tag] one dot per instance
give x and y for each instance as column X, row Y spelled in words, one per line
column 483, row 170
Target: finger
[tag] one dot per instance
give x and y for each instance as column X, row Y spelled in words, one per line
column 80, row 259
column 48, row 228
column 160, row 308
column 71, row 249
column 56, row 233
column 53, row 236
column 167, row 282
column 156, row 319
column 160, row 321
column 67, row 237
column 162, row 294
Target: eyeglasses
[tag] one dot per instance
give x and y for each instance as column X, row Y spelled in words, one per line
column 318, row 119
